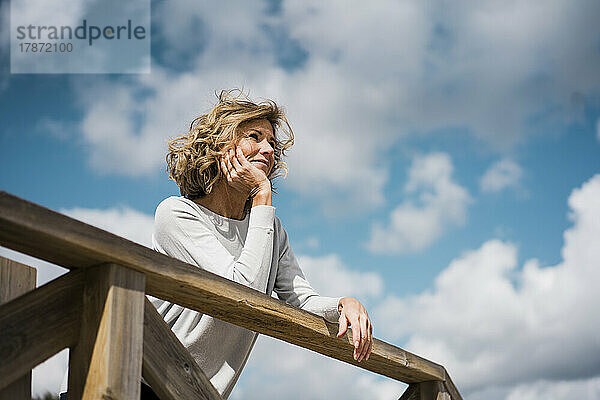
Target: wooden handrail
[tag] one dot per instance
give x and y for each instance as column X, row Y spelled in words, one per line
column 43, row 233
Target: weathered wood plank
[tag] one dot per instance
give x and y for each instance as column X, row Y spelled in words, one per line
column 106, row 363
column 43, row 233
column 168, row 367
column 39, row 324
column 16, row 279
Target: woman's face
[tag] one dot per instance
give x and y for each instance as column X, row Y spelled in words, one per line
column 258, row 143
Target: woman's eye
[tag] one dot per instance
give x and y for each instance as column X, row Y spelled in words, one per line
column 253, row 136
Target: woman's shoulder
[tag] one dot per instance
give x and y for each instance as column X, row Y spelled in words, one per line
column 171, row 205
column 172, row 202
column 175, row 207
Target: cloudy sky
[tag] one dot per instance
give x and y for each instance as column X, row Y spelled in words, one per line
column 446, row 172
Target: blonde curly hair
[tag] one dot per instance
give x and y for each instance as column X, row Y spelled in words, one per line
column 193, row 158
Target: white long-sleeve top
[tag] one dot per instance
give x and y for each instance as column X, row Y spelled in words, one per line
column 255, row 252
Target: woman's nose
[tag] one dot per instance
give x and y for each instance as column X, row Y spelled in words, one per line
column 266, row 148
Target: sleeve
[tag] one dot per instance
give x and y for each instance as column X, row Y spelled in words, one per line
column 182, row 233
column 292, row 287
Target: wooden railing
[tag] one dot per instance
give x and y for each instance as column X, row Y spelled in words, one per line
column 115, row 335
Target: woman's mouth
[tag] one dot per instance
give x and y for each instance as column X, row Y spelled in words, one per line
column 266, row 164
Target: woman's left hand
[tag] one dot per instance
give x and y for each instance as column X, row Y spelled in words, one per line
column 355, row 314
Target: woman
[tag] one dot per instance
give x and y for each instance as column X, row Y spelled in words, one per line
column 224, row 222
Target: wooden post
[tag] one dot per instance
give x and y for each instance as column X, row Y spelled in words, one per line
column 107, row 361
column 430, row 390
column 16, row 279
column 168, row 367
column 433, row 390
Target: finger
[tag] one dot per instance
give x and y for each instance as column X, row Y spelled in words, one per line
column 355, row 336
column 343, row 322
column 368, row 338
column 233, row 171
column 369, row 350
column 363, row 338
column 240, row 157
column 371, row 339
column 234, row 160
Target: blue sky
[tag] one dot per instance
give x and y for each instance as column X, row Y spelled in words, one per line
column 423, row 134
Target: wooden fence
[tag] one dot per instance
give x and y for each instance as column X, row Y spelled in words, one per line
column 99, row 311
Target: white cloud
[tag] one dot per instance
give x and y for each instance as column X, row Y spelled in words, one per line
column 330, row 277
column 586, row 389
column 122, row 221
column 501, row 175
column 443, row 204
column 115, row 145
column 481, row 65
column 492, row 324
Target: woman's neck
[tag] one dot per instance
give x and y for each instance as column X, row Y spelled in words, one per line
column 225, row 200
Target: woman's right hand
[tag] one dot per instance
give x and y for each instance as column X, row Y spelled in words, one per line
column 243, row 176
